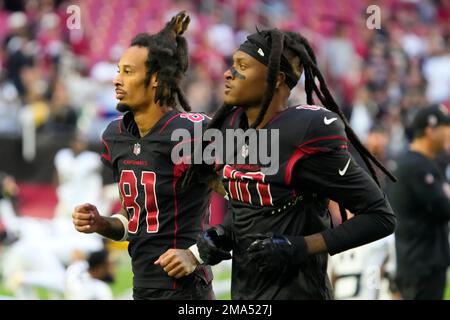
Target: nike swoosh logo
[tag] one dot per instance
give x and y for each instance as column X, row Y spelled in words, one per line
column 329, row 121
column 343, row 171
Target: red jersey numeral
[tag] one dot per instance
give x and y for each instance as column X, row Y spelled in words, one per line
column 130, row 195
column 239, row 183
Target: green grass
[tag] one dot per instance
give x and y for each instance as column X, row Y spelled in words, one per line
column 124, row 276
column 447, row 292
column 225, row 296
column 222, row 274
column 4, row 292
column 122, row 285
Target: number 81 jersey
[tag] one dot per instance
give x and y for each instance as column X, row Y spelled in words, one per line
column 161, row 214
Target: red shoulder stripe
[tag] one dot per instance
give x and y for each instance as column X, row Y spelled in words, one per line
column 106, row 155
column 336, row 137
column 168, row 121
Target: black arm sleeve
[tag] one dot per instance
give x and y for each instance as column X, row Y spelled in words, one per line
column 227, row 223
column 337, row 176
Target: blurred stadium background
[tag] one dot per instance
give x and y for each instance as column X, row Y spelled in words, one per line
column 55, row 79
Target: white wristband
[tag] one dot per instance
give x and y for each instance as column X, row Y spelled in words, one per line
column 194, row 250
column 124, row 223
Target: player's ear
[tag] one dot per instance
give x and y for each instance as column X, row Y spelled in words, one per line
column 154, row 81
column 280, row 80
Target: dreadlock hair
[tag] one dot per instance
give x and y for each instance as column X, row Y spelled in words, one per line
column 168, row 58
column 294, row 45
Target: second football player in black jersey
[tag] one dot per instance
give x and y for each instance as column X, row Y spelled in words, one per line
column 278, row 226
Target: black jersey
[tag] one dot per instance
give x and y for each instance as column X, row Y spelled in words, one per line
column 314, row 166
column 161, row 214
column 423, row 211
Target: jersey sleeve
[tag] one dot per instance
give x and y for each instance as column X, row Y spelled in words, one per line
column 107, row 155
column 325, row 132
column 338, row 177
column 314, row 132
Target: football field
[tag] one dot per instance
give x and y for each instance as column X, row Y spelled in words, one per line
column 222, row 278
column 122, row 286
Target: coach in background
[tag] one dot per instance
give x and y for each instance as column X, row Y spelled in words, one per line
column 421, row 200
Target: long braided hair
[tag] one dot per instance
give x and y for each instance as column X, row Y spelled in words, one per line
column 168, row 58
column 293, row 44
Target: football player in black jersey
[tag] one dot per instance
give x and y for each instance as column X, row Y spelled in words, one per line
column 278, row 226
column 160, row 219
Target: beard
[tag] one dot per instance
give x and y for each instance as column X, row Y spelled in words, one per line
column 123, row 107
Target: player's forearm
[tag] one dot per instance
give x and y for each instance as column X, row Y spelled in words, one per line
column 360, row 230
column 112, row 228
column 315, row 244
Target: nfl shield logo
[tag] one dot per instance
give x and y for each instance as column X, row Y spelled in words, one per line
column 244, row 151
column 137, row 148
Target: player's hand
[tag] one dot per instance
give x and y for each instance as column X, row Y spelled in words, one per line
column 86, row 218
column 271, row 253
column 177, row 263
column 212, row 245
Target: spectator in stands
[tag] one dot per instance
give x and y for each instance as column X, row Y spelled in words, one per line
column 62, row 117
column 18, row 48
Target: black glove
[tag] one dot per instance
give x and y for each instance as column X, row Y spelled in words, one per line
column 272, row 253
column 213, row 245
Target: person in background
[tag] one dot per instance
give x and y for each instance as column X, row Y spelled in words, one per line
column 421, row 200
column 90, row 279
